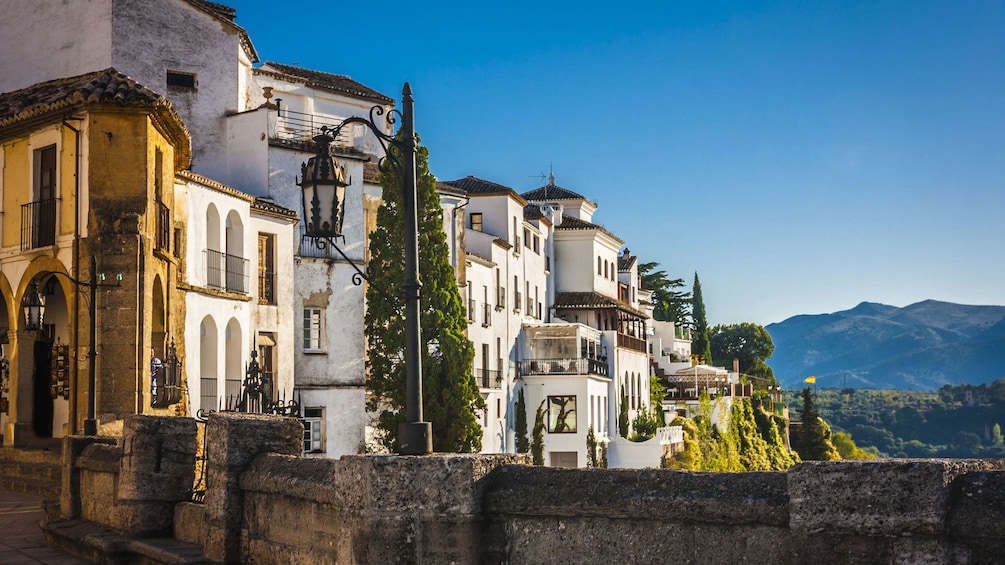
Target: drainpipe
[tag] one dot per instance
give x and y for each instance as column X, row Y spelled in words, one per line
column 76, row 273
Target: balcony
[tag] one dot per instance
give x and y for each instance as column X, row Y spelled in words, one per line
column 563, row 366
column 38, row 224
column 299, row 127
column 486, row 315
column 266, row 287
column 501, row 298
column 487, row 378
column 471, row 310
column 226, row 272
column 516, row 303
column 630, row 342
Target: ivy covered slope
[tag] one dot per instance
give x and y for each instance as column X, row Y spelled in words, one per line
column 449, row 391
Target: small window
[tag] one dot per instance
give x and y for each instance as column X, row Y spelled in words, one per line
column 599, row 263
column 313, row 330
column 181, row 79
column 476, row 221
column 266, row 268
column 537, row 245
column 314, row 430
column 562, row 414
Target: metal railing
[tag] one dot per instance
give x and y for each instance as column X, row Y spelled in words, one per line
column 298, row 126
column 487, row 313
column 38, row 224
column 516, row 303
column 471, row 309
column 488, row 378
column 226, row 272
column 564, row 366
column 501, row 297
column 163, row 235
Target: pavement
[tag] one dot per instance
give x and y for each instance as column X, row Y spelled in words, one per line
column 21, row 539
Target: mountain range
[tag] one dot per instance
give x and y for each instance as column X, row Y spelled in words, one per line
column 921, row 346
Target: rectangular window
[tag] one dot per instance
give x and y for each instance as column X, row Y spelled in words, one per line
column 314, row 327
column 38, row 218
column 163, row 225
column 266, row 268
column 314, row 430
column 181, row 79
column 537, row 245
column 476, row 221
column 562, row 414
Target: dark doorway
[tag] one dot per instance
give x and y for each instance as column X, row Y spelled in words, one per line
column 41, row 396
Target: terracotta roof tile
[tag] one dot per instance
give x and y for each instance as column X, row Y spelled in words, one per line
column 268, row 206
column 322, row 80
column 550, row 192
column 107, row 86
column 591, row 300
column 474, row 185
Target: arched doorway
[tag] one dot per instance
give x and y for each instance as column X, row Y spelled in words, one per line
column 234, row 365
column 49, row 351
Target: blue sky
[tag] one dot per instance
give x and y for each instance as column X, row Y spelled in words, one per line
column 802, row 157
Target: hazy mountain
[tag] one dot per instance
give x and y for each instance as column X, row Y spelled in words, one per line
column 921, row 346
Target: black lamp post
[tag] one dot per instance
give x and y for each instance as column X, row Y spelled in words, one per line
column 323, row 186
column 33, row 304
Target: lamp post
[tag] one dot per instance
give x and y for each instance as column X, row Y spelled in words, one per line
column 33, row 304
column 323, row 184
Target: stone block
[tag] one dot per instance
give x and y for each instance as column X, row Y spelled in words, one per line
column 158, row 458
column 656, row 494
column 190, row 523
column 978, row 510
column 72, row 448
column 891, row 497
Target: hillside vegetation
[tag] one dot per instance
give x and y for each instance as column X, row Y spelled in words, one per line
column 954, row 421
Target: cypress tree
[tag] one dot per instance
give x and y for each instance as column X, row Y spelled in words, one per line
column 623, row 414
column 814, row 442
column 537, row 443
column 700, row 344
column 522, row 441
column 449, row 391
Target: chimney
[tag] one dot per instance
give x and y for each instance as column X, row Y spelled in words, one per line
column 736, row 365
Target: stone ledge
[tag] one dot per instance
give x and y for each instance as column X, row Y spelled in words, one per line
column 658, row 494
column 884, row 497
column 101, row 457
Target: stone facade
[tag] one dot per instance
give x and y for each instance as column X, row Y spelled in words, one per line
column 265, row 504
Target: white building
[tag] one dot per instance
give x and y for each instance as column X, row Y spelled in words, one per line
column 239, row 292
column 505, row 284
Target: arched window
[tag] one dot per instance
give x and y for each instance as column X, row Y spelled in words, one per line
column 208, row 365
column 598, row 264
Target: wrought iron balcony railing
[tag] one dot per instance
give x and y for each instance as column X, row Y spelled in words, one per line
column 266, row 287
column 298, row 126
column 38, row 224
column 564, row 366
column 488, row 378
column 226, row 272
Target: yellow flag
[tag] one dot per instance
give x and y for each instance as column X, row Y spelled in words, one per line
column 812, row 379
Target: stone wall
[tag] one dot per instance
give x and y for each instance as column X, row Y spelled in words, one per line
column 265, row 504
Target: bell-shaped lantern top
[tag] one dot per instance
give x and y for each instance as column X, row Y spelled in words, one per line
column 323, row 184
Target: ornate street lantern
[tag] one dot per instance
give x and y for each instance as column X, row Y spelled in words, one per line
column 33, row 304
column 323, row 184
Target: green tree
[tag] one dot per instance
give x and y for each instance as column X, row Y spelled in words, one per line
column 522, row 441
column 449, row 391
column 996, row 434
column 591, row 449
column 537, row 442
column 814, row 442
column 623, row 414
column 644, row 426
column 750, row 343
column 657, row 392
column 699, row 338
column 847, row 448
column 671, row 304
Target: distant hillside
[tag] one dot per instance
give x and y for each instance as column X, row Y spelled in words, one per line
column 921, row 346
